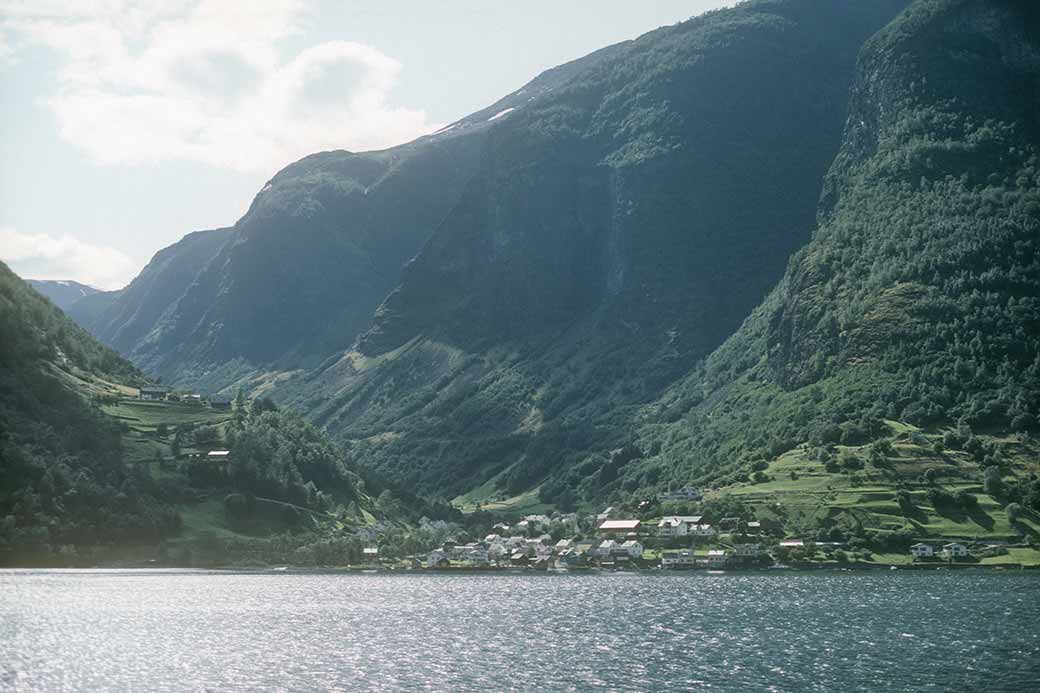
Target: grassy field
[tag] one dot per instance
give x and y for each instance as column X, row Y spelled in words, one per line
column 801, row 494
column 1020, row 556
column 527, row 503
column 144, row 418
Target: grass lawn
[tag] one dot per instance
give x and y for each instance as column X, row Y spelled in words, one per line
column 1023, row 556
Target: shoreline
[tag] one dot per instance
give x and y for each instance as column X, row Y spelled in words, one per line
column 512, row 570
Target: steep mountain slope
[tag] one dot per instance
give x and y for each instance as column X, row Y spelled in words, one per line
column 618, row 228
column 62, row 292
column 917, row 298
column 123, row 319
column 299, row 276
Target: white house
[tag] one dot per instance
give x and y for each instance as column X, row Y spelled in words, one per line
column 954, row 550
column 152, row 392
column 921, row 551
column 563, row 544
column 493, row 539
column 537, row 520
column 677, row 525
column 678, row 559
column 436, row 557
column 496, row 552
column 670, row 527
column 606, row 547
column 370, row 553
column 792, row 544
column 717, row 558
column 633, row 548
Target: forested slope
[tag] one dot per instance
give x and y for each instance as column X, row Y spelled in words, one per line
column 918, row 298
column 75, row 487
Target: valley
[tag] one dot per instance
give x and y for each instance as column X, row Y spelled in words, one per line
column 783, row 252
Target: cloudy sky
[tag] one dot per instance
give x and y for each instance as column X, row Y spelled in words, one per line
column 130, row 123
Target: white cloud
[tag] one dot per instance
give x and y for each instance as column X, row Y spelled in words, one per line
column 39, row 256
column 207, row 81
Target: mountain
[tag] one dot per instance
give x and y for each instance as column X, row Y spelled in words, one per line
column 790, row 223
column 299, row 276
column 62, row 292
column 124, row 319
column 917, row 298
column 619, row 229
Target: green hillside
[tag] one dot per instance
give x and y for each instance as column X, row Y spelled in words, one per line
column 90, row 473
column 62, row 479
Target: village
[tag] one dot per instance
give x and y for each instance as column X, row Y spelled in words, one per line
column 672, row 530
column 674, row 542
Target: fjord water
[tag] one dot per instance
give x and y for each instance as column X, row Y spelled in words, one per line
column 194, row 630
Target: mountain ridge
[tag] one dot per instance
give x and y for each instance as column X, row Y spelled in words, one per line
column 62, row 292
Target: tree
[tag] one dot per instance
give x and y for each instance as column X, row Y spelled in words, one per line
column 993, row 483
column 1014, row 512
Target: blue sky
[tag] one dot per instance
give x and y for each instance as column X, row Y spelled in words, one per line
column 128, row 124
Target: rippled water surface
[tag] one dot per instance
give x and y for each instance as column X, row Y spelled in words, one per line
column 164, row 631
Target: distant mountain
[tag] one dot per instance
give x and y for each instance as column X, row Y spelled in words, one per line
column 124, row 319
column 62, row 292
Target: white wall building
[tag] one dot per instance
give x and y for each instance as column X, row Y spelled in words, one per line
column 678, row 559
column 717, row 558
column 922, row 551
column 633, row 548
